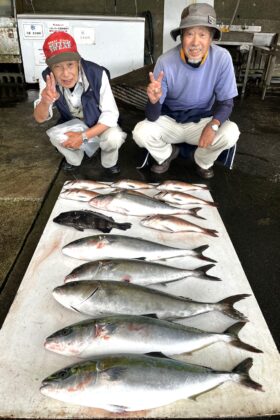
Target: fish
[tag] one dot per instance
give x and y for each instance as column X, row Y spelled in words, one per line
column 124, row 383
column 97, row 247
column 130, row 184
column 175, row 224
column 182, row 199
column 180, row 186
column 78, row 194
column 85, row 184
column 87, row 219
column 136, row 334
column 98, row 297
column 136, row 271
column 137, row 205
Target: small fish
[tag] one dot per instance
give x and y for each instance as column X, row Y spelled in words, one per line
column 86, row 219
column 182, row 199
column 180, row 186
column 135, row 204
column 85, row 184
column 129, row 184
column 78, row 194
column 133, row 334
column 97, row 247
column 174, row 224
column 125, row 383
column 97, row 297
column 136, row 271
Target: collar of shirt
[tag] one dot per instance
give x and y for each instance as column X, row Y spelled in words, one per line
column 184, row 59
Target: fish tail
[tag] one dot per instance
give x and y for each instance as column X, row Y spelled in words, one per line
column 213, row 204
column 243, row 377
column 235, row 340
column 204, row 275
column 194, row 212
column 226, row 306
column 123, row 226
column 200, row 250
column 211, row 232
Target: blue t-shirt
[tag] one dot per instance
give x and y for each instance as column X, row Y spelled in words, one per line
column 189, row 93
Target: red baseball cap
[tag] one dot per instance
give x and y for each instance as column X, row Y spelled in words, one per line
column 60, row 46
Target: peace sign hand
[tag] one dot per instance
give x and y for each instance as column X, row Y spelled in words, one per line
column 154, row 90
column 49, row 94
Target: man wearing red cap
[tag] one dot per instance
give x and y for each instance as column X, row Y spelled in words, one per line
column 81, row 90
column 190, row 96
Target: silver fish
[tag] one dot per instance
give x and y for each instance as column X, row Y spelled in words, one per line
column 97, row 247
column 174, row 224
column 125, row 383
column 137, row 335
column 137, row 205
column 135, row 271
column 97, row 297
column 130, row 184
column 85, row 184
column 180, row 186
column 78, row 194
column 182, row 199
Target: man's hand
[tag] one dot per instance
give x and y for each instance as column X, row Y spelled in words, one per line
column 74, row 140
column 49, row 94
column 207, row 136
column 154, row 91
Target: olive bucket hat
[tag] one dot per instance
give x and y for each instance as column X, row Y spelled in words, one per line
column 199, row 14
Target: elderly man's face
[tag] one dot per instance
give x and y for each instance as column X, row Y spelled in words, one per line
column 195, row 42
column 66, row 73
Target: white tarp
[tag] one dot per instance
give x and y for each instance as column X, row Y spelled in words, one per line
column 35, row 314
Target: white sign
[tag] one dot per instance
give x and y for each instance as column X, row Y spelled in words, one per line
column 33, row 30
column 61, row 26
column 84, row 35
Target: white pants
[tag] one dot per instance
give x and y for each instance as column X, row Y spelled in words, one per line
column 110, row 141
column 158, row 136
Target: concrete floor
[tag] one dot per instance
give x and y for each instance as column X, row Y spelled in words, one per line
column 248, row 196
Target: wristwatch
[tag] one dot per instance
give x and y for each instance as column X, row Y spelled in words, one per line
column 84, row 137
column 214, row 127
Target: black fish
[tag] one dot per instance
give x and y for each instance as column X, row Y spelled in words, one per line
column 87, row 219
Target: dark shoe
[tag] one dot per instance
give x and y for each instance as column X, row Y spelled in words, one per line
column 113, row 170
column 160, row 169
column 67, row 167
column 205, row 173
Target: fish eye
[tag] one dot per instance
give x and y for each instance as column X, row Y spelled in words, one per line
column 63, row 374
column 66, row 331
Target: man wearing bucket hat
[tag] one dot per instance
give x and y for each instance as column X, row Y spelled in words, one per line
column 190, row 96
column 80, row 90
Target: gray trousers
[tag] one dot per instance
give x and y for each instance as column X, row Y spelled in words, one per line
column 110, row 141
column 158, row 136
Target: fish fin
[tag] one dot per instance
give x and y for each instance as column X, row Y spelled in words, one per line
column 151, row 316
column 204, row 270
column 212, row 203
column 105, row 229
column 123, row 226
column 158, row 354
column 226, row 306
column 212, row 232
column 79, row 228
column 75, row 309
column 116, row 408
column 194, row 212
column 236, row 342
column 200, row 250
column 115, row 373
column 242, row 369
